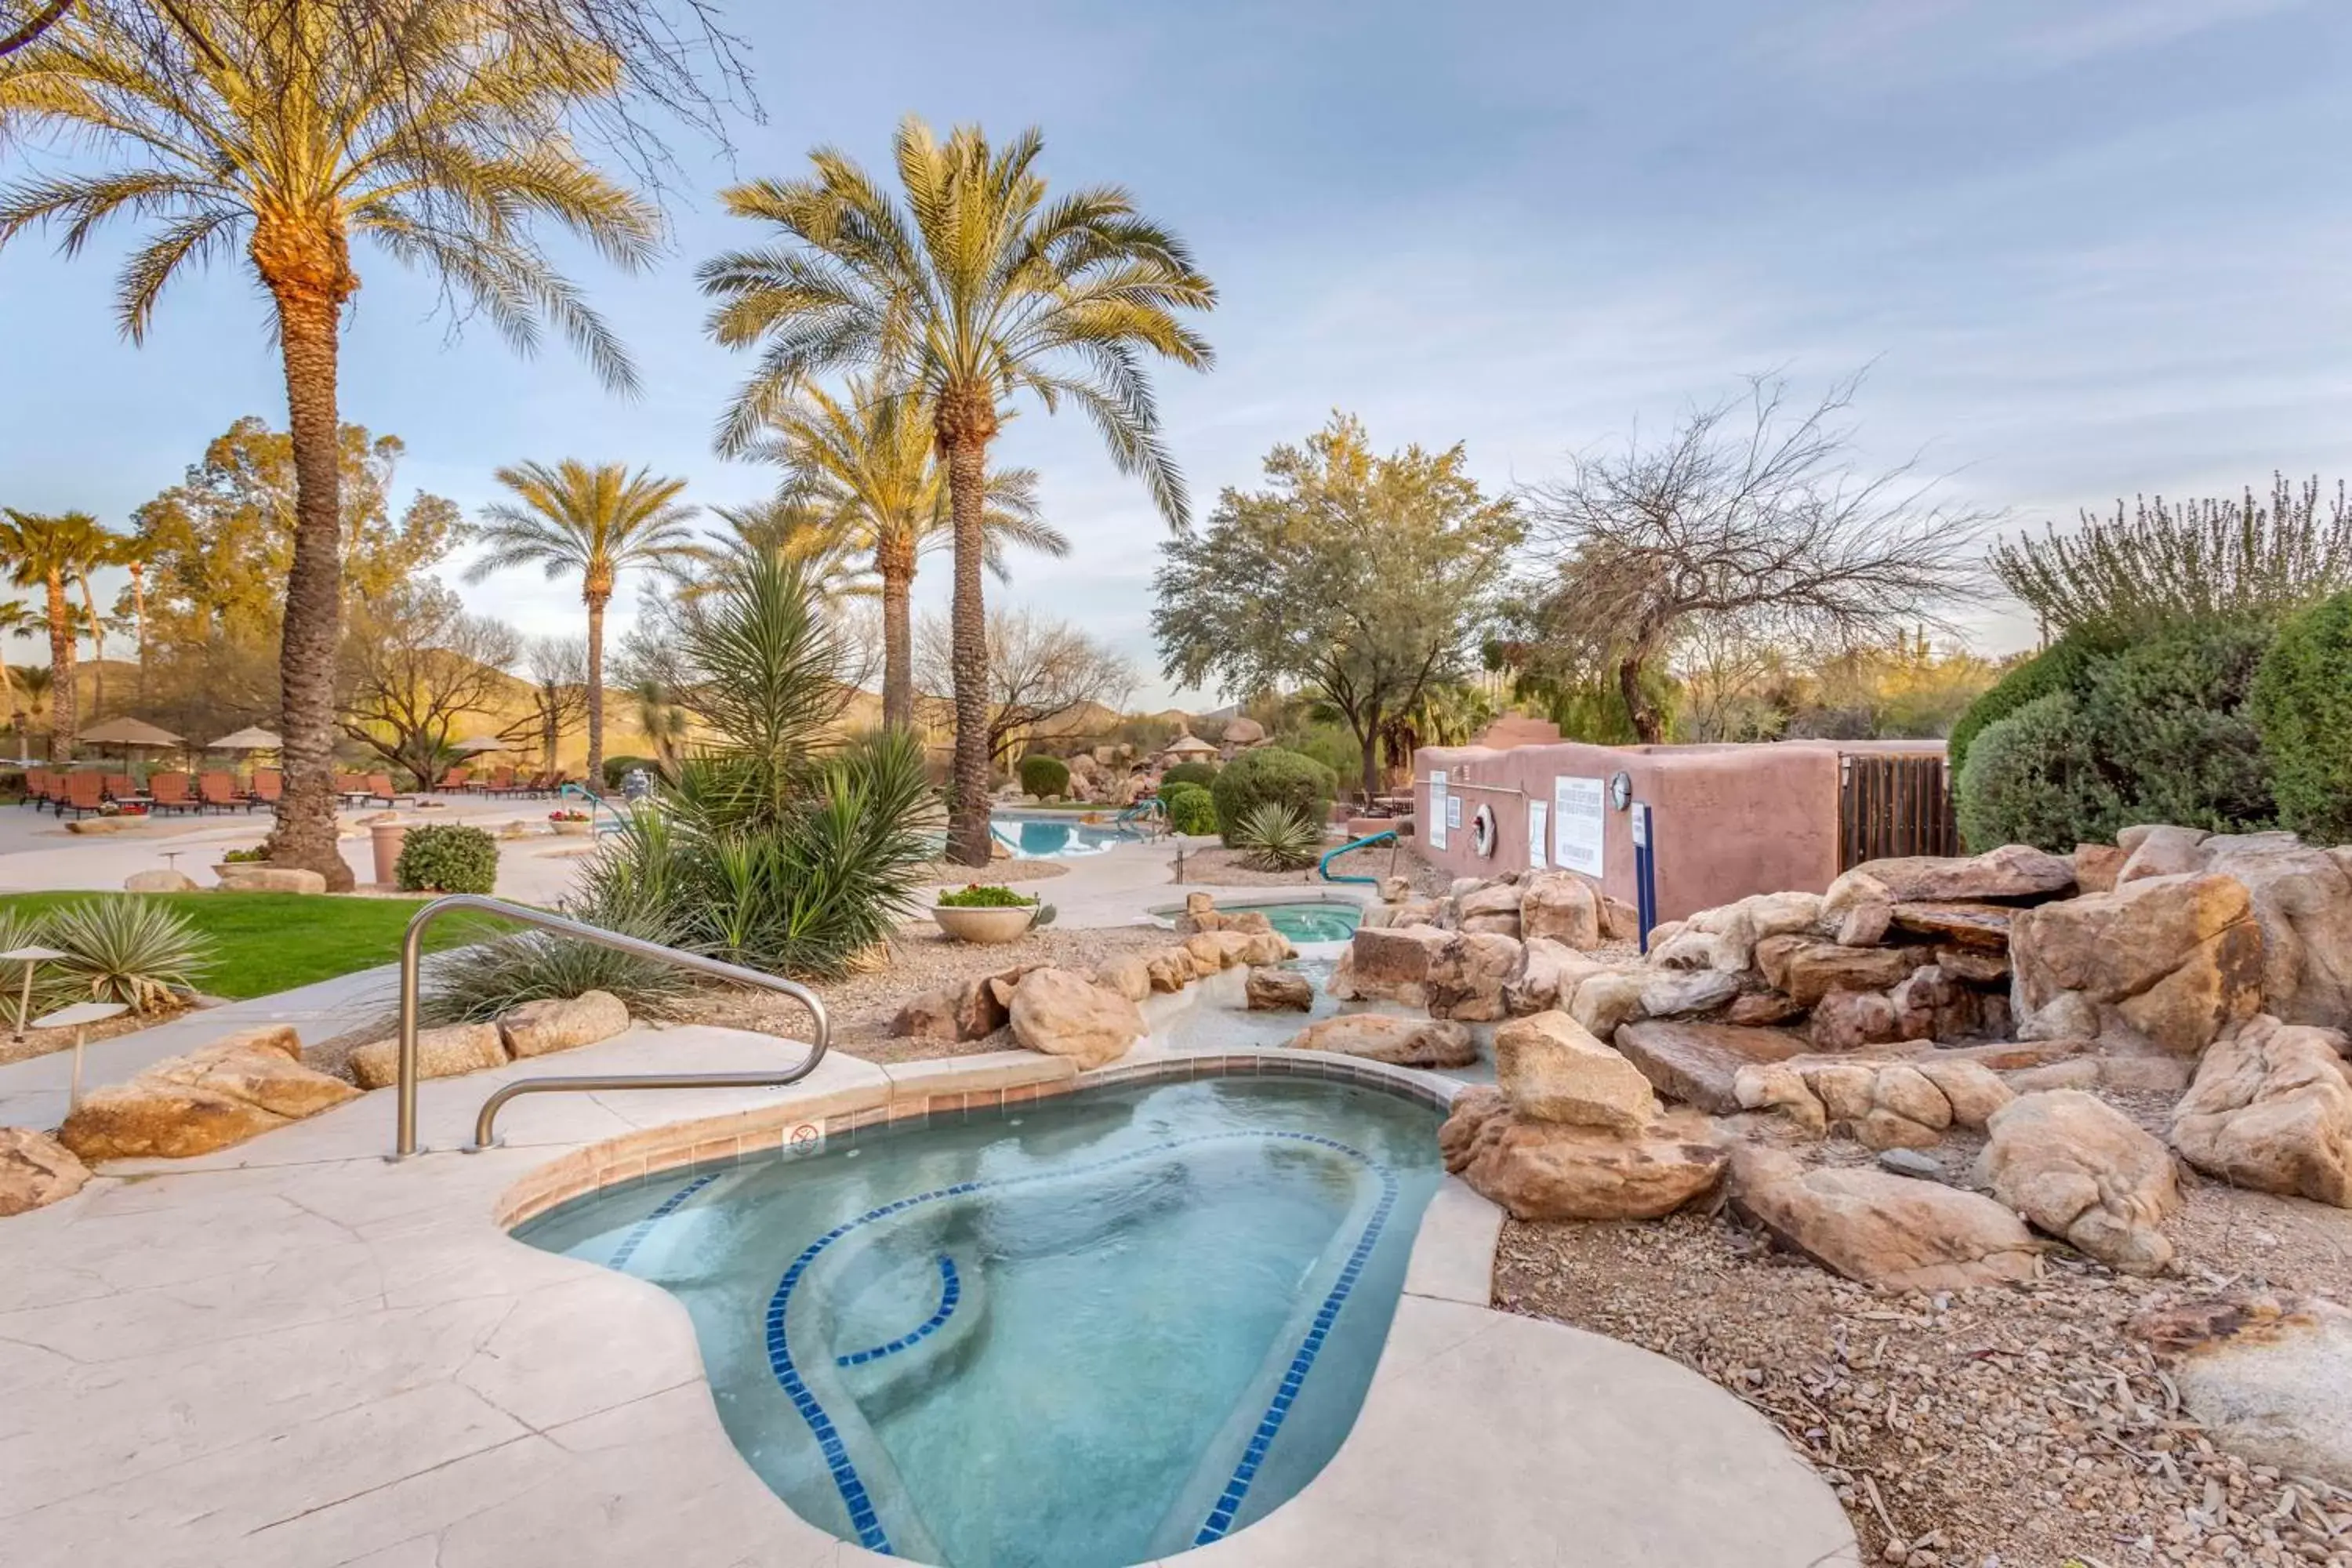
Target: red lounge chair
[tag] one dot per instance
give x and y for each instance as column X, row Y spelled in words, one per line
column 218, row 793
column 454, row 780
column 171, row 793
column 119, row 786
column 502, row 781
column 85, row 793
column 36, row 788
column 268, row 784
column 379, row 787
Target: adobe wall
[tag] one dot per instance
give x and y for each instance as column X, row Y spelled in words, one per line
column 1730, row 820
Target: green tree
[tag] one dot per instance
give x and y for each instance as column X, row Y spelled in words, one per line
column 971, row 287
column 1369, row 578
column 438, row 132
column 598, row 522
column 2303, row 699
column 869, row 463
column 50, row 553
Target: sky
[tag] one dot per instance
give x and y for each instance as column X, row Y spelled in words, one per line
column 2087, row 248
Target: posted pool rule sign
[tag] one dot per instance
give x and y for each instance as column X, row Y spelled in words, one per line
column 1437, row 808
column 1579, row 811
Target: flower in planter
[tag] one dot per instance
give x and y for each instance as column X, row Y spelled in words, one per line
column 567, row 814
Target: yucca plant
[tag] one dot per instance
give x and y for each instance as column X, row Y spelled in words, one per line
column 132, row 950
column 475, row 984
column 1273, row 837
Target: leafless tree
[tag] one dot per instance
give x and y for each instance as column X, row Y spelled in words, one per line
column 1041, row 675
column 414, row 663
column 1751, row 510
column 557, row 671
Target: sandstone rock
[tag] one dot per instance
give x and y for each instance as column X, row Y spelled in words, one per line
column 445, row 1052
column 1972, row 1091
column 1809, row 969
column 255, row 879
column 1759, row 1008
column 2013, row 872
column 928, row 1015
column 1973, row 965
column 1776, row 1085
column 159, row 881
column 1973, row 925
column 1562, row 906
column 154, row 1119
column 1675, row 993
column 1395, row 890
column 2170, row 960
column 2303, row 901
column 1492, row 925
column 1211, row 952
column 1277, row 991
column 2159, row 849
column 1856, row 911
column 1847, row 1020
column 1846, row 1089
column 1699, row 1064
column 1382, row 1038
column 1699, row 950
column 1543, row 1170
column 1552, row 1069
column 1170, row 969
column 1263, row 947
column 1062, row 1014
column 1548, row 974
column 1607, row 999
column 1881, row 1129
column 1491, row 899
column 2078, row 1168
column 262, row 1068
column 1466, row 976
column 562, row 1023
column 1392, row 962
column 2269, row 1377
column 1129, row 975
column 2272, row 1110
column 1620, row 922
column 2075, row 1072
column 1883, row 1229
column 36, row 1170
column 1779, row 914
column 2147, row 1074
column 1904, row 1091
column 2097, row 865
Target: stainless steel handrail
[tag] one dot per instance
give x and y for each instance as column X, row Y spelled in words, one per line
column 411, row 958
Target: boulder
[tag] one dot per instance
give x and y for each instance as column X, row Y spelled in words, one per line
column 1777, row 1086
column 1489, row 898
column 151, row 1117
column 1857, row 911
column 1278, row 991
column 1170, row 969
column 1267, row 946
column 1563, row 907
column 1902, row 1089
column 1879, row 1228
column 929, row 1016
column 36, row 1170
column 1062, row 1014
column 1685, row 993
column 1383, row 1038
column 2301, row 899
column 2270, row 1377
column 259, row 878
column 1759, row 1008
column 1548, row 974
column 1466, row 976
column 1391, row 963
column 261, row 1067
column 2096, row 866
column 1394, row 890
column 1129, row 975
column 1692, row 949
column 2012, row 873
column 1974, row 965
column 1606, row 999
column 1551, row 1069
column 1973, row 1091
column 1808, row 969
column 1699, row 1064
column 1848, row 1020
column 2171, row 960
column 2271, row 1109
column 1971, row 925
column 1847, row 1090
column 445, row 1052
column 159, row 881
column 1620, row 922
column 1548, row 1169
column 2075, row 1166
column 562, row 1023
column 2159, row 849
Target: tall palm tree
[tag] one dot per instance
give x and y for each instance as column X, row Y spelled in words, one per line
column 105, row 548
column 269, row 125
column 869, row 462
column 597, row 522
column 787, row 528
column 18, row 618
column 968, row 289
column 49, row 552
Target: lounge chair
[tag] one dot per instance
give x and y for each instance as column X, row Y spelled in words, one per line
column 379, row 787
column 169, row 791
column 36, row 788
column 119, row 786
column 218, row 793
column 84, row 795
column 268, row 784
column 502, row 782
column 454, row 781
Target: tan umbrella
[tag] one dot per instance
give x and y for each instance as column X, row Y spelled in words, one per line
column 128, row 731
column 252, row 738
column 479, row 744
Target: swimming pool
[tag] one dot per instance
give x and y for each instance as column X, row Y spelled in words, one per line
column 1084, row 1333
column 1300, row 920
column 1055, row 838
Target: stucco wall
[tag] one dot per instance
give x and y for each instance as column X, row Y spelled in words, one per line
column 1728, row 820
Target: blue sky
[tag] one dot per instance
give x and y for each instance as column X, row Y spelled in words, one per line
column 2090, row 247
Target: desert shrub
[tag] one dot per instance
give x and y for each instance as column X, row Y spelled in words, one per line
column 447, row 857
column 1270, row 775
column 2063, row 665
column 1201, row 773
column 475, row 984
column 1042, row 775
column 984, row 896
column 2033, row 777
column 132, row 950
column 2171, row 720
column 1276, row 837
column 1190, row 807
column 618, row 768
column 2303, row 705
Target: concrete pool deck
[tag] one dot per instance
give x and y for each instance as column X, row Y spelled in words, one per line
column 293, row 1355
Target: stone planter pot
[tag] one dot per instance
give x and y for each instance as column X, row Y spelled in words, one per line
column 987, row 926
column 574, row 830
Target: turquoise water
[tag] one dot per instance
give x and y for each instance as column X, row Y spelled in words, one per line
column 1081, row 1334
column 1044, row 839
column 1307, row 919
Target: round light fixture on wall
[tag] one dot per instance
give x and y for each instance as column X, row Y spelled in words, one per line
column 1620, row 789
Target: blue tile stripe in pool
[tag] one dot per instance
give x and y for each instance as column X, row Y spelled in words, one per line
column 863, row 1518
column 668, row 1206
column 950, row 1295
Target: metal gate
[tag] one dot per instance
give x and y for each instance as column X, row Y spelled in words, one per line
column 1893, row 804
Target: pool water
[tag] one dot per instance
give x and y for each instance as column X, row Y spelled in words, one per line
column 1307, row 919
column 1044, row 839
column 1081, row 1334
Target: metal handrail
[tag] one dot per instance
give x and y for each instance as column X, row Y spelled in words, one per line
column 1323, row 867
column 597, row 802
column 411, row 956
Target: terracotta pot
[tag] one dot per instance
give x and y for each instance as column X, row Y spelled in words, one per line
column 985, row 925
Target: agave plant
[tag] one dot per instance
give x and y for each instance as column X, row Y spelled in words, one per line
column 475, row 984
column 1276, row 837
column 133, row 951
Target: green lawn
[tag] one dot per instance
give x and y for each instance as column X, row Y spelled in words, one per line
column 274, row 941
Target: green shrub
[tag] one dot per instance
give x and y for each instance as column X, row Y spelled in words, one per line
column 132, row 950
column 447, row 857
column 984, row 896
column 1274, row 837
column 2172, row 721
column 2063, row 665
column 2033, row 777
column 1270, row 775
column 618, row 768
column 2302, row 702
column 474, row 983
column 1042, row 775
column 1190, row 807
column 1201, row 773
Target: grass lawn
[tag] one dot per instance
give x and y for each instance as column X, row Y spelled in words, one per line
column 274, row 941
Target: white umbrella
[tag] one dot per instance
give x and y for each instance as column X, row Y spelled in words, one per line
column 253, row 738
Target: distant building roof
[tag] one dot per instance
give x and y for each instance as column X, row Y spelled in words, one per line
column 1188, row 746
column 1244, row 732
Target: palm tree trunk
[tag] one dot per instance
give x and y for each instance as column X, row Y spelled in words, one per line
column 61, row 674
column 97, row 649
column 309, row 278
column 595, row 694
column 968, row 837
column 898, row 639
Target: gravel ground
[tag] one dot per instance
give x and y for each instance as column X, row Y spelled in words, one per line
column 2010, row 1427
column 999, row 873
column 1215, row 865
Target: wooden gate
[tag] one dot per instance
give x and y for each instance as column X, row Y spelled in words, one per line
column 1893, row 804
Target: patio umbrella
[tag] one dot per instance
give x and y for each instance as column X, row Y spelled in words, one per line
column 252, row 738
column 126, row 732
column 478, row 744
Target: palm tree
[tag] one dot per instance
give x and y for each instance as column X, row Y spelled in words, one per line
column 599, row 522
column 47, row 553
column 787, row 528
column 104, row 547
column 869, row 462
column 273, row 126
column 971, row 288
column 16, row 617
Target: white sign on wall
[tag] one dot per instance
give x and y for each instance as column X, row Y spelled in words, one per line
column 1437, row 808
column 1579, row 811
column 1538, row 830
